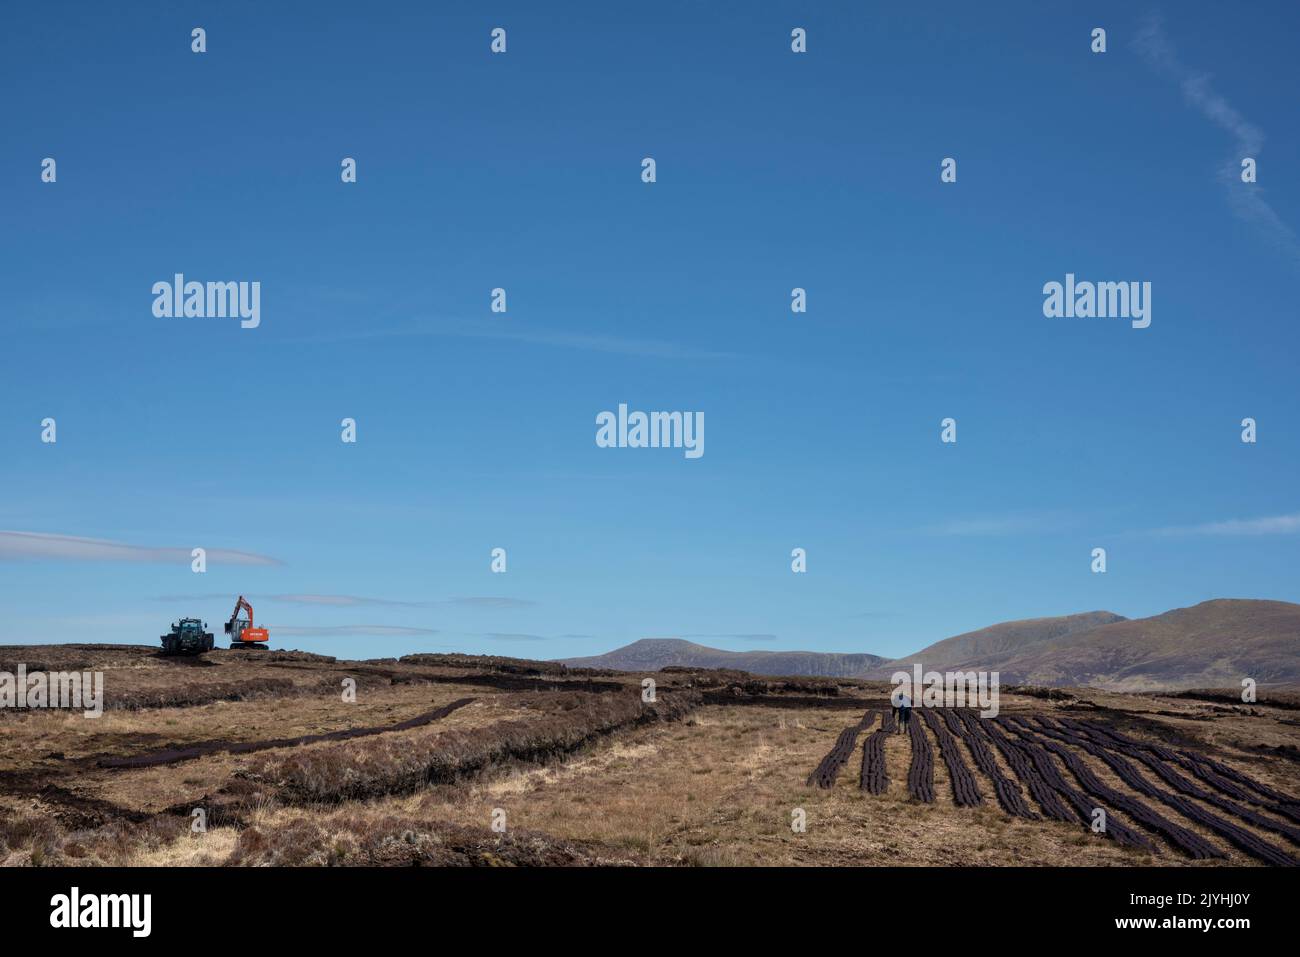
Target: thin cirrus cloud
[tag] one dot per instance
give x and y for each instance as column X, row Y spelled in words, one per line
column 489, row 601
column 467, row 329
column 493, row 602
column 999, row 525
column 342, row 601
column 39, row 546
column 349, row 631
column 354, row 601
column 1247, row 199
column 979, row 526
column 1267, row 525
column 751, row 636
column 519, row 636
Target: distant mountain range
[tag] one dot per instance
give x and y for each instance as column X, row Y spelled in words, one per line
column 651, row 654
column 988, row 648
column 1215, row 643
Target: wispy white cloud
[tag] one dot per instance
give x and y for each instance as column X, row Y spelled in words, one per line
column 504, row 330
column 753, row 636
column 1246, row 199
column 1268, row 525
column 362, row 631
column 20, row 546
column 995, row 525
column 343, row 601
column 490, row 601
column 517, row 636
column 353, row 601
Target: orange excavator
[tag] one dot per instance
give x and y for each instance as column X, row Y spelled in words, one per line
column 241, row 631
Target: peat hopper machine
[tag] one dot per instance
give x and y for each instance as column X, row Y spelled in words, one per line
column 241, row 631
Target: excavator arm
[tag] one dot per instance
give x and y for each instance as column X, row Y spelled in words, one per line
column 243, row 631
column 242, row 602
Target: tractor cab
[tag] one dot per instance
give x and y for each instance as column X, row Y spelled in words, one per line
column 189, row 636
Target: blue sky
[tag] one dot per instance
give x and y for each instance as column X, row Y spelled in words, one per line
column 522, row 171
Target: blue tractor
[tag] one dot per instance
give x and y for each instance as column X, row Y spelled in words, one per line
column 189, row 636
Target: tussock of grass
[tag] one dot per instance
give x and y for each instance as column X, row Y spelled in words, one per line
column 402, row 841
column 39, row 841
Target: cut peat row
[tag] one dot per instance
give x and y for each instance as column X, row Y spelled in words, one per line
column 875, row 779
column 731, row 699
column 1181, row 784
column 499, row 681
column 1022, row 764
column 965, row 792
column 828, row 769
column 1186, row 840
column 875, row 776
column 1009, row 795
column 1189, row 842
column 1083, row 805
column 204, row 748
column 1222, row 778
column 390, row 764
column 920, row 776
column 1212, row 771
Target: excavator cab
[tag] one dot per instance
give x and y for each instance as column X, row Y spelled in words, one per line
column 241, row 630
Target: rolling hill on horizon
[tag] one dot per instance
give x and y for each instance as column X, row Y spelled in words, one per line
column 984, row 648
column 1215, row 643
column 651, row 654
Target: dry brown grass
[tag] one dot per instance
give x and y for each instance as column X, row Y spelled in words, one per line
column 561, row 723
column 582, row 776
column 512, row 666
